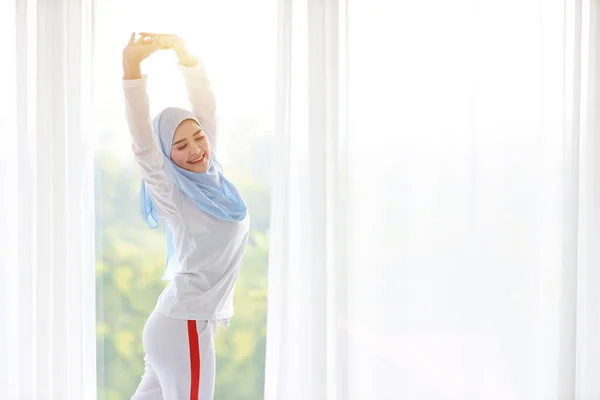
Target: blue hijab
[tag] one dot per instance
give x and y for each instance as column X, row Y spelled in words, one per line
column 210, row 191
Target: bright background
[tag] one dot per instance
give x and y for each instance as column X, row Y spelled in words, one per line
column 239, row 50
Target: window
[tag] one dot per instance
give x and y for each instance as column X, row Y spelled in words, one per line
column 237, row 40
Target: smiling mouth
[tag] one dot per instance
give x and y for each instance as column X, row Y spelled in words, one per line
column 199, row 160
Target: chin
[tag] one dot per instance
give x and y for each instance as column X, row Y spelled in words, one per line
column 201, row 170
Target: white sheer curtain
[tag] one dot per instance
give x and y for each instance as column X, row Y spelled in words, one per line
column 47, row 311
column 435, row 215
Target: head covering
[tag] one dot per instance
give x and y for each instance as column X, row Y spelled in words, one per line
column 210, row 191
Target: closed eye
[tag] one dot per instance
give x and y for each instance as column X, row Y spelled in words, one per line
column 198, row 135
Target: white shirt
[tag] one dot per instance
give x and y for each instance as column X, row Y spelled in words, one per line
column 209, row 250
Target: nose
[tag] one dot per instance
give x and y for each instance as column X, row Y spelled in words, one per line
column 195, row 149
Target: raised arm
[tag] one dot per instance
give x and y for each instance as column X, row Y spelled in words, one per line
column 199, row 90
column 145, row 146
column 202, row 99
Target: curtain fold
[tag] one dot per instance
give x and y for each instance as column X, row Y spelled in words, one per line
column 433, row 226
column 47, row 214
column 588, row 298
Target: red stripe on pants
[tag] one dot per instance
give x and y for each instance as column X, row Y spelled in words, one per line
column 194, row 360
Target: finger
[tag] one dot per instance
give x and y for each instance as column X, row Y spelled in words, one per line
column 166, row 40
column 145, row 40
column 158, row 34
column 158, row 46
column 153, row 49
column 132, row 38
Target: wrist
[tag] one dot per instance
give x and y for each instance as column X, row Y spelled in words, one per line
column 132, row 70
column 186, row 59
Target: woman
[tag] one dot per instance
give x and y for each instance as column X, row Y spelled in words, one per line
column 207, row 225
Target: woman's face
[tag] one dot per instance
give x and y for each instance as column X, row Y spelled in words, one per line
column 190, row 149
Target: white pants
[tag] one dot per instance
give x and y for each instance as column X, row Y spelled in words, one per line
column 180, row 359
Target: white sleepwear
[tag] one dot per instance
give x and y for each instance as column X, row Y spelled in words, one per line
column 180, row 359
column 209, row 251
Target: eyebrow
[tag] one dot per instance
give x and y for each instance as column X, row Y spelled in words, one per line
column 183, row 140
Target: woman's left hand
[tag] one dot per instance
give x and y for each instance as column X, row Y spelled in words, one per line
column 177, row 44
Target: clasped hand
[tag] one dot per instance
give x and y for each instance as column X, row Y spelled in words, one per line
column 148, row 43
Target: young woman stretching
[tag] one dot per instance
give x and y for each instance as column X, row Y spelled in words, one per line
column 207, row 225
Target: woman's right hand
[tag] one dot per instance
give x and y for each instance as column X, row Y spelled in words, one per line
column 136, row 51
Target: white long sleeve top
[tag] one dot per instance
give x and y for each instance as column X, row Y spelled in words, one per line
column 209, row 250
